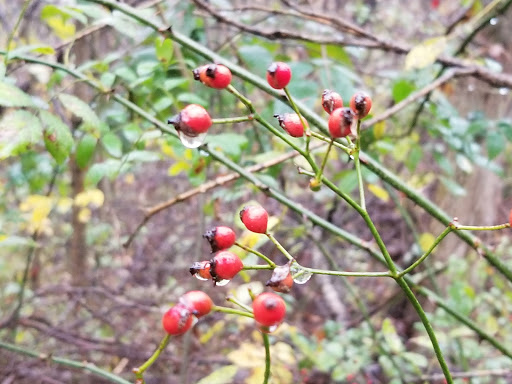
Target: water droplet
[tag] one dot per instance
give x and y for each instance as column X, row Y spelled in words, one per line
column 221, row 283
column 194, row 321
column 504, row 91
column 199, row 277
column 191, row 141
column 471, row 88
column 267, row 329
column 493, row 21
column 300, row 275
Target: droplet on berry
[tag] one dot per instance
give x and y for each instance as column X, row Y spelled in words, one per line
column 340, row 122
column 279, row 75
column 191, row 123
column 255, row 218
column 292, row 124
column 201, row 270
column 360, row 103
column 331, row 100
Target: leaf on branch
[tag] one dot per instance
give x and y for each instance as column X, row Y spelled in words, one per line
column 12, row 96
column 425, row 53
column 81, row 109
column 57, row 136
column 18, row 131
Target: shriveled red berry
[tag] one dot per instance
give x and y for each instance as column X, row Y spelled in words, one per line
column 198, row 302
column 177, row 320
column 360, row 103
column 279, row 75
column 291, row 123
column 220, row 238
column 340, row 122
column 281, row 279
column 201, row 270
column 255, row 218
column 331, row 100
column 192, row 120
column 216, row 76
column 225, row 265
column 269, row 309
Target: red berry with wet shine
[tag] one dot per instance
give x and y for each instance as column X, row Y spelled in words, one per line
column 255, row 218
column 279, row 75
column 269, row 309
column 198, row 302
column 177, row 320
column 192, row 120
column 340, row 122
column 225, row 265
column 291, row 123
column 331, row 101
column 216, row 76
column 360, row 103
column 220, row 238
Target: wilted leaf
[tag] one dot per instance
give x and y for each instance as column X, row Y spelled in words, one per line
column 222, row 375
column 425, row 53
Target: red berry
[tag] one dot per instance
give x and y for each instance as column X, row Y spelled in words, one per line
column 281, row 279
column 192, row 120
column 269, row 309
column 291, row 123
column 360, row 104
column 220, row 238
column 510, row 218
column 198, row 302
column 331, row 100
column 216, row 76
column 279, row 75
column 225, row 265
column 255, row 218
column 340, row 122
column 201, row 270
column 177, row 320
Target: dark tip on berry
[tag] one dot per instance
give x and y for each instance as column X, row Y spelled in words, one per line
column 280, row 119
column 195, row 72
column 242, row 213
column 210, row 70
column 175, row 120
column 348, row 115
column 272, row 68
column 213, row 264
column 210, row 236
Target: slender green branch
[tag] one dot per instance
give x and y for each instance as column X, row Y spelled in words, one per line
column 257, row 267
column 320, row 171
column 280, row 247
column 13, row 32
column 266, row 342
column 242, row 98
column 427, row 253
column 139, row 371
column 480, row 228
column 255, row 252
column 345, row 273
column 235, row 301
column 83, row 365
column 326, row 139
column 232, row 120
column 232, row 311
column 357, row 163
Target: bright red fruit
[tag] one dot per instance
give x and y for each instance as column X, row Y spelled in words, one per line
column 360, row 104
column 177, row 320
column 201, row 270
column 216, row 76
column 279, row 75
column 269, row 309
column 510, row 218
column 340, row 122
column 331, row 100
column 198, row 302
column 192, row 120
column 255, row 218
column 225, row 265
column 220, row 238
column 291, row 123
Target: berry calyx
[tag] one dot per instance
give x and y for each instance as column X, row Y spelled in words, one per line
column 255, row 218
column 269, row 309
column 360, row 103
column 224, row 266
column 201, row 270
column 220, row 238
column 331, row 100
column 216, row 76
column 198, row 302
column 281, row 279
column 291, row 123
column 340, row 122
column 279, row 75
column 192, row 120
column 177, row 320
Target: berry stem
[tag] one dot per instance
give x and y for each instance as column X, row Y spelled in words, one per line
column 231, row 120
column 232, row 311
column 328, row 140
column 140, row 370
column 357, row 162
column 280, row 247
column 318, row 175
column 344, row 273
column 458, row 227
column 266, row 342
column 233, row 300
column 259, row 254
column 307, row 131
column 242, row 98
column 256, row 267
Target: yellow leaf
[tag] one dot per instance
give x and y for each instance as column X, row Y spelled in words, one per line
column 63, row 29
column 93, row 197
column 84, row 215
column 40, row 207
column 64, row 204
column 167, row 149
column 248, row 355
column 379, row 192
column 212, row 331
column 189, row 154
column 178, row 167
column 379, row 129
column 426, row 240
column 425, row 53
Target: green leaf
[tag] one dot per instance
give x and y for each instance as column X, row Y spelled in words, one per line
column 222, row 375
column 401, row 89
column 112, row 144
column 141, row 156
column 109, row 168
column 452, row 186
column 85, row 150
column 164, row 50
column 44, row 50
column 18, row 131
column 505, row 127
column 12, row 96
column 495, row 144
column 391, row 336
column 57, row 136
column 81, row 109
column 231, row 144
column 256, row 57
column 192, row 98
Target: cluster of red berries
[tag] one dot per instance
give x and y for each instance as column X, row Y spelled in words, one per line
column 341, row 118
column 180, row 318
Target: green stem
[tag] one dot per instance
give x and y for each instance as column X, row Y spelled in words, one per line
column 257, row 267
column 319, row 136
column 139, row 371
column 13, row 32
column 324, row 161
column 233, row 300
column 266, row 342
column 480, row 228
column 427, row 253
column 345, row 273
column 357, row 162
column 280, row 247
column 90, row 367
column 232, row 311
column 254, row 252
column 305, row 125
column 242, row 98
column 231, row 120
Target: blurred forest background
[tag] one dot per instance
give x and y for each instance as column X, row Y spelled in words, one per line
column 70, row 284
